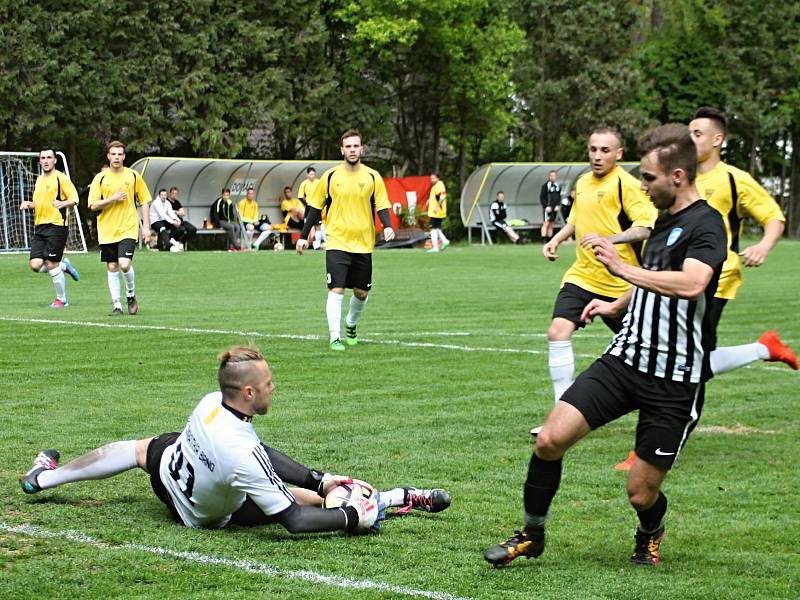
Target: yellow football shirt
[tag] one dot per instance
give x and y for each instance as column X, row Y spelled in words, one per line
column 119, row 220
column 437, row 201
column 248, row 210
column 45, row 191
column 599, row 209
column 752, row 201
column 306, row 189
column 355, row 196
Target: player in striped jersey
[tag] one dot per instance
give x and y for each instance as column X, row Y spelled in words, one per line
column 217, row 471
column 658, row 361
column 53, row 196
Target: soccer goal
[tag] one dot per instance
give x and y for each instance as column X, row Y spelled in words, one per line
column 18, row 172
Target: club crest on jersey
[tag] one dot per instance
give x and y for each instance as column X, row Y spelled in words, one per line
column 674, row 235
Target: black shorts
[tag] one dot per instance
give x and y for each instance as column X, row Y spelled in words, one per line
column 295, row 224
column 502, row 225
column 715, row 308
column 549, row 216
column 49, row 241
column 668, row 410
column 571, row 301
column 155, row 450
column 348, row 270
column 435, row 222
column 110, row 253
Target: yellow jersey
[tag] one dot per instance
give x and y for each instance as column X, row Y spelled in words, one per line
column 248, row 210
column 437, row 201
column 119, row 220
column 352, row 197
column 606, row 206
column 736, row 195
column 47, row 189
column 306, row 189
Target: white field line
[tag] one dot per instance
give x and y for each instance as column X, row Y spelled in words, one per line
column 248, row 566
column 313, row 337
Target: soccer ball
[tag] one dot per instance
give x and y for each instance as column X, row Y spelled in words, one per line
column 341, row 495
column 278, row 247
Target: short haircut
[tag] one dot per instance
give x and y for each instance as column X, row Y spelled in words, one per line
column 235, row 368
column 673, row 146
column 350, row 133
column 287, row 187
column 552, row 171
column 250, row 188
column 228, row 190
column 501, row 192
column 115, row 144
column 47, row 149
column 173, row 189
column 608, row 129
column 716, row 115
column 162, row 190
column 310, row 169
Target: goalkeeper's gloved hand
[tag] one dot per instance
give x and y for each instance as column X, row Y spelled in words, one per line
column 329, row 481
column 367, row 510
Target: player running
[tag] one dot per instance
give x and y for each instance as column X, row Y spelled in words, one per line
column 53, row 196
column 218, row 472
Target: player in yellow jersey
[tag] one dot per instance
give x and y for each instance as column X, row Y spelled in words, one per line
column 304, row 193
column 249, row 214
column 437, row 211
column 116, row 193
column 351, row 192
column 608, row 203
column 53, row 196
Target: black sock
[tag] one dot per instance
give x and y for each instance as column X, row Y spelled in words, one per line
column 541, row 485
column 652, row 518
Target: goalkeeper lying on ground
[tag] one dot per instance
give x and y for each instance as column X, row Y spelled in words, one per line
column 217, row 471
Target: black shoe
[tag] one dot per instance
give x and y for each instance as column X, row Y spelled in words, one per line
column 433, row 501
column 117, row 312
column 647, row 550
column 133, row 305
column 46, row 460
column 528, row 543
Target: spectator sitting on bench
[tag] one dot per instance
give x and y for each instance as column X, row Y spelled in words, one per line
column 223, row 215
column 294, row 211
column 248, row 213
column 165, row 223
column 186, row 230
column 497, row 215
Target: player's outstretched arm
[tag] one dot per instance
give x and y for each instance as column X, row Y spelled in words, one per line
column 756, row 255
column 357, row 516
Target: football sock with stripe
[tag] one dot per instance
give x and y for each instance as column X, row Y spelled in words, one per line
column 561, row 361
column 113, row 286
column 356, row 306
column 110, row 460
column 652, row 518
column 130, row 283
column 333, row 311
column 59, row 283
column 544, row 477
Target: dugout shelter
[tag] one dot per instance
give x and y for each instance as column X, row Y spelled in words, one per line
column 201, row 180
column 521, row 183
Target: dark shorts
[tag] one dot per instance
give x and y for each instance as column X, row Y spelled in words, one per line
column 549, row 216
column 110, row 253
column 571, row 301
column 436, row 222
column 502, row 225
column 348, row 270
column 49, row 242
column 295, row 224
column 155, row 450
column 668, row 410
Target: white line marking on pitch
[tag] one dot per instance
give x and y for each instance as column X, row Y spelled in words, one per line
column 248, row 566
column 291, row 336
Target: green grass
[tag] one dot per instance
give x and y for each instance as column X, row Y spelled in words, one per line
column 393, row 411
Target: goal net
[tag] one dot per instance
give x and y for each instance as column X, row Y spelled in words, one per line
column 18, row 173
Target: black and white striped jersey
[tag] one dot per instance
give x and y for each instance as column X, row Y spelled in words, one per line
column 497, row 212
column 665, row 336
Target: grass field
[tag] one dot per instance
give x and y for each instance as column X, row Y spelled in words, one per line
column 451, row 377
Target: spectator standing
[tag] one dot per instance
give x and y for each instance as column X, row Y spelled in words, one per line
column 437, row 212
column 550, row 198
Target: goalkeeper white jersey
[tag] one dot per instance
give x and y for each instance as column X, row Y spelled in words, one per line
column 215, row 463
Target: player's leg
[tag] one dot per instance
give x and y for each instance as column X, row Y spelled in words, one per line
column 109, row 254
column 406, row 499
column 434, row 240
column 360, row 279
column 101, row 463
column 769, row 347
column 337, row 264
column 650, row 504
column 126, row 250
column 38, row 252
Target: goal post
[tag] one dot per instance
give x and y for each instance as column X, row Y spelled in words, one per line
column 18, row 173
